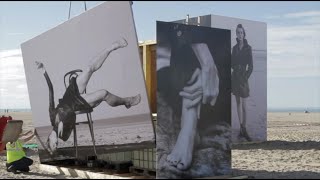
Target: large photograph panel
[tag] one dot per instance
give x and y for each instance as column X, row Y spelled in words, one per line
column 86, row 84
column 249, row 77
column 193, row 99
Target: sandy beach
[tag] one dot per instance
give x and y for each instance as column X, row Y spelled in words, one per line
column 34, row 173
column 292, row 150
column 111, row 132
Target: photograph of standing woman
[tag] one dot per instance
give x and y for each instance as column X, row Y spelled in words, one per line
column 242, row 67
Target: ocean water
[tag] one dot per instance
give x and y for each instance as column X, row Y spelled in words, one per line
column 293, row 109
column 15, row 110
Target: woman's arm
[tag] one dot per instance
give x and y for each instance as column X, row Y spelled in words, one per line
column 250, row 64
column 232, row 59
column 51, row 92
column 163, row 57
column 209, row 73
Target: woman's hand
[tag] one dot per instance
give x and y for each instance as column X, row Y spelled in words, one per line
column 193, row 92
column 39, row 65
column 210, row 85
column 209, row 73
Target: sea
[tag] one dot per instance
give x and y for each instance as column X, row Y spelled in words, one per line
column 15, row 110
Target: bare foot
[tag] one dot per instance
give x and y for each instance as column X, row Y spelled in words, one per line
column 132, row 101
column 181, row 155
column 119, row 44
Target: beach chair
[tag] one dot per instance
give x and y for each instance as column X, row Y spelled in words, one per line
column 69, row 75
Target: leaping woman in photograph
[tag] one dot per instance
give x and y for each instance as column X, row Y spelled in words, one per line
column 242, row 66
column 75, row 98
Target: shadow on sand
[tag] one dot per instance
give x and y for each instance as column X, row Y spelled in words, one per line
column 279, row 145
column 261, row 174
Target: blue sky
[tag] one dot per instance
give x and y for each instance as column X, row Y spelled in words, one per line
column 293, row 41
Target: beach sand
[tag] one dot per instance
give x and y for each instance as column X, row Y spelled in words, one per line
column 34, row 173
column 115, row 131
column 292, row 150
column 111, row 132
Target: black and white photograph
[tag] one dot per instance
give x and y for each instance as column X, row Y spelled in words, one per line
column 249, row 77
column 249, row 74
column 86, row 85
column 193, row 101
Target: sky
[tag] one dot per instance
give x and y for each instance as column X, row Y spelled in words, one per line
column 293, row 41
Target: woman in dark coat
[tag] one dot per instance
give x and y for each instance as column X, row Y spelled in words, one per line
column 241, row 64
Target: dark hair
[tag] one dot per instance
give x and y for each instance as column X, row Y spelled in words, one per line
column 244, row 32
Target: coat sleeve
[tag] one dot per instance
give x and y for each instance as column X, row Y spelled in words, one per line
column 250, row 63
column 232, row 58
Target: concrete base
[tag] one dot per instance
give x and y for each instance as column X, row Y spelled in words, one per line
column 92, row 173
column 88, row 173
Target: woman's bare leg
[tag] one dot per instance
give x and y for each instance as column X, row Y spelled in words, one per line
column 181, row 155
column 244, row 120
column 244, row 111
column 239, row 111
column 95, row 98
column 96, row 63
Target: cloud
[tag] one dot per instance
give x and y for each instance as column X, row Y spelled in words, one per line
column 15, row 34
column 22, row 86
column 3, row 90
column 10, row 53
column 272, row 16
column 13, row 91
column 302, row 14
column 295, row 15
column 294, row 50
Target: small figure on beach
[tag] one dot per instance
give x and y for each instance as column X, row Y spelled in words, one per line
column 16, row 156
